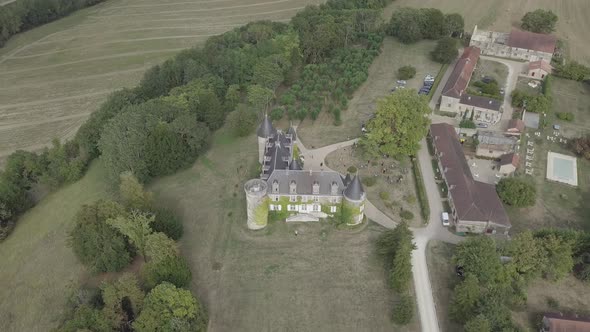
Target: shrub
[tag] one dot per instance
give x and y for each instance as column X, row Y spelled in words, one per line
column 403, row 312
column 581, row 146
column 552, row 303
column 277, row 114
column 174, row 270
column 540, row 21
column 352, row 170
column 517, row 192
column 446, row 50
column 369, row 181
column 406, row 72
column 384, row 195
column 421, row 190
column 411, row 199
column 167, row 223
column 566, row 116
column 406, row 215
column 467, row 124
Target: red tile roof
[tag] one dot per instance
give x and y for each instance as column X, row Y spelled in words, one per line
column 474, row 201
column 461, row 74
column 509, row 158
column 541, row 64
column 516, row 125
column 561, row 323
column 532, row 41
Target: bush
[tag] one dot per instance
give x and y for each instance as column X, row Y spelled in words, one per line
column 446, row 50
column 467, row 124
column 403, row 312
column 573, row 71
column 539, row 21
column 384, row 195
column 581, row 146
column 517, row 192
column 174, row 270
column 352, row 170
column 421, row 190
column 566, row 116
column 167, row 223
column 242, row 121
column 406, row 215
column 277, row 114
column 406, row 72
column 411, row 199
column 369, row 181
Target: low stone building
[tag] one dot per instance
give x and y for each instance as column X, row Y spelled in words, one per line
column 492, row 144
column 518, row 44
column 294, row 194
column 515, row 127
column 564, row 323
column 475, row 206
column 508, row 163
column 539, row 69
column 485, row 110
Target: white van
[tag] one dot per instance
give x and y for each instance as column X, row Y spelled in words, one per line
column 445, row 219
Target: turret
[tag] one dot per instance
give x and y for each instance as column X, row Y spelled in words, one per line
column 354, row 199
column 256, row 203
column 265, row 130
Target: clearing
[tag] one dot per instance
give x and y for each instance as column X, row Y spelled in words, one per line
column 324, row 279
column 39, row 270
column 501, row 15
column 382, row 78
column 558, row 205
column 54, row 76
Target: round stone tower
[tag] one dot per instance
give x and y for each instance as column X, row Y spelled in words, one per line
column 354, row 199
column 256, row 203
column 265, row 130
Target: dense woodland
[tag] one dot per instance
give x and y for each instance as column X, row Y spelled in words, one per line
column 23, row 15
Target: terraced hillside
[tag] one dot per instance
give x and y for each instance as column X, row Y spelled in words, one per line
column 53, row 77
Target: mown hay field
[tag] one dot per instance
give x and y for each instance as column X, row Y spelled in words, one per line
column 53, row 77
column 501, row 15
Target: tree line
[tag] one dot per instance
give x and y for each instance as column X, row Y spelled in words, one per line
column 106, row 237
column 165, row 122
column 496, row 274
column 396, row 247
column 23, row 15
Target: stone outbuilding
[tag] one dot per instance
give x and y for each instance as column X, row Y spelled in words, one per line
column 493, row 144
column 539, row 69
column 515, row 127
column 508, row 163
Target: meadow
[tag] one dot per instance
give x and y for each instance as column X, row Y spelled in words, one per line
column 54, row 76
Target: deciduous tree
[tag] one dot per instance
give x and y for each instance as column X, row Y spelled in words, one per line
column 174, row 270
column 133, row 195
column 478, row 256
column 516, row 192
column 540, row 21
column 465, row 298
column 446, row 50
column 403, row 311
column 478, row 323
column 399, row 124
column 136, row 227
column 123, row 300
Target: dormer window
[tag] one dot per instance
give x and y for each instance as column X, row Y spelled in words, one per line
column 292, row 187
column 334, row 190
column 275, row 187
column 316, row 188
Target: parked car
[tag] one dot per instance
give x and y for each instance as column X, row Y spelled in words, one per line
column 445, row 219
column 428, row 83
column 401, row 82
column 482, row 125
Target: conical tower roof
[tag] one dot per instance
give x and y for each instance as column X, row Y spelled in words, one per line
column 354, row 191
column 346, row 179
column 266, row 129
column 294, row 165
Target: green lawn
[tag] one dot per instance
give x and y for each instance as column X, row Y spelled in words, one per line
column 38, row 268
column 324, row 279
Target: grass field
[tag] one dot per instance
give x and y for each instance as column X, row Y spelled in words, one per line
column 324, row 279
column 38, row 269
column 53, row 77
column 382, row 77
column 559, row 205
column 501, row 15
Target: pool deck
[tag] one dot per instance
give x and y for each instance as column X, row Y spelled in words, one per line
column 555, row 161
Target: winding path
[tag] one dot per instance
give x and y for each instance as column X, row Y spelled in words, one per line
column 315, row 159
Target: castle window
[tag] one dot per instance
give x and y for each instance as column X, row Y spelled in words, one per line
column 291, row 207
column 332, row 209
column 278, row 207
column 292, row 198
column 304, row 199
column 275, row 186
column 316, row 208
column 303, row 207
column 316, row 199
column 276, row 198
column 316, row 188
column 292, row 187
column 271, row 207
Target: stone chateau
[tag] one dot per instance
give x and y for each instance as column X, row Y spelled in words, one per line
column 287, row 190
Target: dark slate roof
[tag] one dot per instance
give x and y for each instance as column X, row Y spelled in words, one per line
column 532, row 41
column 481, row 102
column 354, row 191
column 266, row 129
column 294, row 165
column 305, row 181
column 474, row 201
column 279, row 152
column 291, row 131
column 346, row 179
column 459, row 79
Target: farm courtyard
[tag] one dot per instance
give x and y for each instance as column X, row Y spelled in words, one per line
column 53, row 77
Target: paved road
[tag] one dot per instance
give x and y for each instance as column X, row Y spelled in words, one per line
column 514, row 70
column 433, row 231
